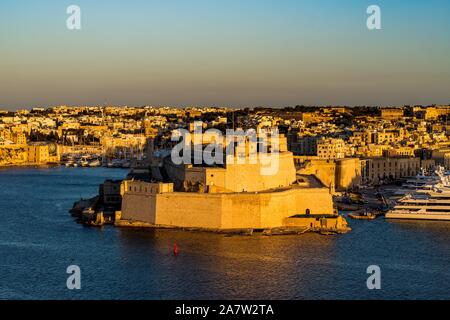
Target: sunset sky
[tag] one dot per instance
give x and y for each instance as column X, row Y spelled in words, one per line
column 224, row 53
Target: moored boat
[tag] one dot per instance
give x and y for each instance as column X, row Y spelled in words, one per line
column 425, row 203
column 369, row 216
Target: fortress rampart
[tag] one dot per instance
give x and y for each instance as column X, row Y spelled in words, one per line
column 224, row 210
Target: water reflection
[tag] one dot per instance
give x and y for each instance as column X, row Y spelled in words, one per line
column 38, row 240
column 231, row 267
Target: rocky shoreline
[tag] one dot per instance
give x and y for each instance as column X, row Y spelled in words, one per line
column 236, row 232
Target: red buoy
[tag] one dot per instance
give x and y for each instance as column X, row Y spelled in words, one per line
column 175, row 249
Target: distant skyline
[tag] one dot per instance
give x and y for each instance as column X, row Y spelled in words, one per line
column 224, row 53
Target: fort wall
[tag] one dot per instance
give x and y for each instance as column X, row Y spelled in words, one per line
column 341, row 173
column 225, row 211
column 236, row 177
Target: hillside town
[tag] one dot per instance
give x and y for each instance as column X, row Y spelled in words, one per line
column 362, row 145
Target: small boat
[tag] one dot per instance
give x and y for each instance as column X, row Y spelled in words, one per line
column 363, row 215
column 369, row 216
column 84, row 163
column 95, row 163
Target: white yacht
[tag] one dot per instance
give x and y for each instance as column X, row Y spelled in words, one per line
column 431, row 202
column 422, row 181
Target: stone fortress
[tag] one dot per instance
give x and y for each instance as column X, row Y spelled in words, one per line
column 232, row 196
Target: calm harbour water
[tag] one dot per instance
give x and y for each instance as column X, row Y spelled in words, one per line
column 39, row 240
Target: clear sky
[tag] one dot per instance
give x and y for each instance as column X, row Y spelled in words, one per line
column 224, row 52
